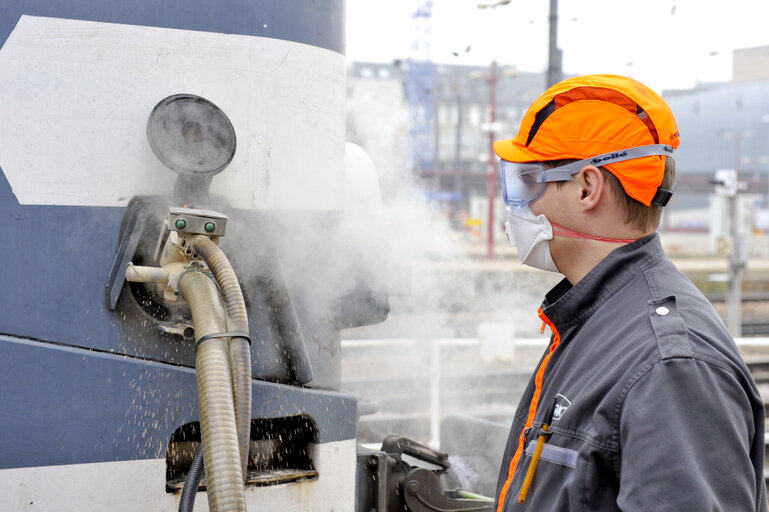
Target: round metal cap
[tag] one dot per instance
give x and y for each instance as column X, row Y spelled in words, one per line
column 191, row 135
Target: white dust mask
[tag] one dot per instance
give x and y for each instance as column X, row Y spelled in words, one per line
column 530, row 234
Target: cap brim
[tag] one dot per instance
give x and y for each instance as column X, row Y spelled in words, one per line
column 512, row 152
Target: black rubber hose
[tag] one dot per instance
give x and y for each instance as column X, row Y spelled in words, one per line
column 192, row 482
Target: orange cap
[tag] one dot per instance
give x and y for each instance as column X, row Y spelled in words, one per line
column 591, row 115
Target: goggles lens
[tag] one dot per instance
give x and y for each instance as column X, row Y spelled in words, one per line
column 521, row 183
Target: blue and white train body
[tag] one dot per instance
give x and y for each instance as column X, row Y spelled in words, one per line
column 98, row 392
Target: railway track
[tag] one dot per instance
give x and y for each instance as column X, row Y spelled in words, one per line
column 755, row 311
column 759, row 369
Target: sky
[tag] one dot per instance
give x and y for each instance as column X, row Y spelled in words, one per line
column 667, row 44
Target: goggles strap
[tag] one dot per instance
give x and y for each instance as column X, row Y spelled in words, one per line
column 564, row 172
column 632, row 154
column 559, row 230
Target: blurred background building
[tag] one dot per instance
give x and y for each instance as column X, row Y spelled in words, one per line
column 723, row 126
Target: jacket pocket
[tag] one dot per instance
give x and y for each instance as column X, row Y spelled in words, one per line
column 554, row 454
column 553, row 485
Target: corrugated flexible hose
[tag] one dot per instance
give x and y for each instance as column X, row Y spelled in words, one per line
column 239, row 347
column 221, row 452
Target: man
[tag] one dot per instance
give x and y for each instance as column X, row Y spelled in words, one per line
column 642, row 401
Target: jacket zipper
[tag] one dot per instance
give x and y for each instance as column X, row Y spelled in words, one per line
column 532, row 408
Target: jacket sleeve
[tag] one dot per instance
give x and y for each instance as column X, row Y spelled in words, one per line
column 687, row 437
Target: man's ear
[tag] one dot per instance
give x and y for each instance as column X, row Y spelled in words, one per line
column 591, row 185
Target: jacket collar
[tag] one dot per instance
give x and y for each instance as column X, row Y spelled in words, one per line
column 566, row 305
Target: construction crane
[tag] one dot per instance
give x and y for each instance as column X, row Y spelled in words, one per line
column 419, row 88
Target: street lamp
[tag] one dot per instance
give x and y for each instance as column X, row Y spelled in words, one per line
column 491, row 128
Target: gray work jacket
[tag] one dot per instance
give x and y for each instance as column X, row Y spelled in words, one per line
column 652, row 406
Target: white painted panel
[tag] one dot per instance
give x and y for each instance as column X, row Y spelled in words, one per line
column 129, row 486
column 75, row 97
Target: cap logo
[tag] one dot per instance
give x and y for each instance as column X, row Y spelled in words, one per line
column 674, row 137
column 612, row 156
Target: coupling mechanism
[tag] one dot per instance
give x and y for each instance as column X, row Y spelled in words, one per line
column 173, row 251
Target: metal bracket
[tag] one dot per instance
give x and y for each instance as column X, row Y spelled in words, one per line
column 125, row 253
column 196, row 222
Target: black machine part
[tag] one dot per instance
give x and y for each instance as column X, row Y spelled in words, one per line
column 423, row 492
column 405, row 476
column 415, row 453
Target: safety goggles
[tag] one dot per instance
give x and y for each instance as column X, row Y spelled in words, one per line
column 524, row 183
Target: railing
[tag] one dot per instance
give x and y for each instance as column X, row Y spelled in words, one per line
column 416, row 382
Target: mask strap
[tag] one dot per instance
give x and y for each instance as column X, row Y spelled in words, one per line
column 559, row 230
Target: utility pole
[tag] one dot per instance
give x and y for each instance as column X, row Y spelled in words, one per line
column 554, row 71
column 554, row 55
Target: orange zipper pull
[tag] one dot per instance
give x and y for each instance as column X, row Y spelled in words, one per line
column 542, row 330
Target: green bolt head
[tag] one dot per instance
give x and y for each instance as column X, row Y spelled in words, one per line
column 181, row 224
column 210, row 227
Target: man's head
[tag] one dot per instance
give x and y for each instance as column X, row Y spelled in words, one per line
column 590, row 168
column 612, row 122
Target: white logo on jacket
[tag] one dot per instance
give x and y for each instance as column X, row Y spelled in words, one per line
column 561, row 405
